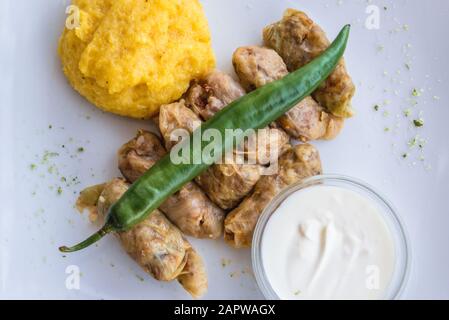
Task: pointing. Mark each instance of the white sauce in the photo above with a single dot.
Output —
(328, 243)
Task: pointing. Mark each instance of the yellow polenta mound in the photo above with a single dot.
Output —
(131, 56)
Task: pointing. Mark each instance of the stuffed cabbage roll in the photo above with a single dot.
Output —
(189, 209)
(264, 147)
(298, 40)
(176, 116)
(139, 155)
(227, 184)
(297, 163)
(157, 245)
(212, 94)
(194, 213)
(258, 66)
(193, 277)
(309, 121)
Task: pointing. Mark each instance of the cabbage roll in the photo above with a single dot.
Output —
(216, 91)
(298, 40)
(176, 116)
(157, 245)
(296, 164)
(258, 66)
(139, 155)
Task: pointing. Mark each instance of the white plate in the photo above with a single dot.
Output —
(34, 94)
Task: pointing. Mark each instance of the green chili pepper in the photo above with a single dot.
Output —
(253, 111)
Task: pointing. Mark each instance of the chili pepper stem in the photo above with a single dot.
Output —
(89, 241)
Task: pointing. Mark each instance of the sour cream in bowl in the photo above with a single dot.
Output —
(330, 237)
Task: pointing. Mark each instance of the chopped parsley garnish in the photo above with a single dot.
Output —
(416, 93)
(412, 143)
(48, 155)
(418, 123)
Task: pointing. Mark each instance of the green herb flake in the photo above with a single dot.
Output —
(33, 166)
(51, 169)
(387, 129)
(48, 155)
(413, 142)
(422, 143)
(416, 92)
(59, 190)
(225, 262)
(376, 107)
(418, 123)
(80, 149)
